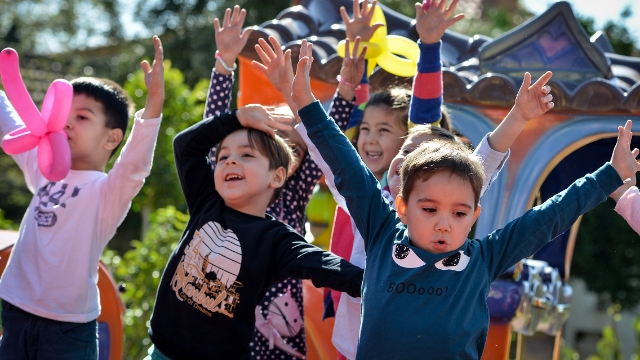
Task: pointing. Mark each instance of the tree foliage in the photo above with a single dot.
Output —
(140, 270)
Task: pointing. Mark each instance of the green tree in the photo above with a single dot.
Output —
(183, 107)
(140, 270)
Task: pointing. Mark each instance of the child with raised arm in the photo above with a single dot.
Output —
(231, 250)
(425, 286)
(296, 193)
(49, 289)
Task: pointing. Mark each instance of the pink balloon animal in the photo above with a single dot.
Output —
(44, 130)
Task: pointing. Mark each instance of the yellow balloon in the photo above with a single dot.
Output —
(373, 50)
(395, 54)
(404, 65)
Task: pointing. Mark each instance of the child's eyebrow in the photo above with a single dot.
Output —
(87, 109)
(427, 200)
(240, 146)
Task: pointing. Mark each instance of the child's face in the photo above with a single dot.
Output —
(379, 139)
(90, 141)
(439, 212)
(242, 176)
(410, 144)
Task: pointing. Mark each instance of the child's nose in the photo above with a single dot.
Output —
(443, 224)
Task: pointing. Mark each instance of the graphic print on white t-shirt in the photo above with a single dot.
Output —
(50, 197)
(206, 275)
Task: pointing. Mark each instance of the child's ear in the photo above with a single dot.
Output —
(279, 177)
(476, 213)
(114, 138)
(401, 208)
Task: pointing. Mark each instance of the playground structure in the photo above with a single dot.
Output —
(594, 91)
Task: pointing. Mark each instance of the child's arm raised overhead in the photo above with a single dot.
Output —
(431, 24)
(154, 81)
(532, 101)
(230, 40)
(352, 178)
(525, 235)
(192, 145)
(127, 176)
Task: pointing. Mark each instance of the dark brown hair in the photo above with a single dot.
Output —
(441, 155)
(116, 103)
(275, 149)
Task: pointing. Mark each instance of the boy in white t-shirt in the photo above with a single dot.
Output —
(49, 291)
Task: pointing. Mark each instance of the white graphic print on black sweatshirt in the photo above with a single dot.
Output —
(206, 275)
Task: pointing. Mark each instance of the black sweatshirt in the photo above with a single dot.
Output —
(225, 261)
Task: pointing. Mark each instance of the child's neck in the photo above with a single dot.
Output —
(259, 210)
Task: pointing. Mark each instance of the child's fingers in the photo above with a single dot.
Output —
(344, 15)
(356, 9)
(454, 19)
(235, 14)
(543, 80)
(263, 56)
(242, 17)
(526, 82)
(550, 105)
(451, 8)
(245, 33)
(347, 48)
(276, 46)
(363, 54)
(419, 11)
(547, 98)
(216, 25)
(227, 18)
(159, 56)
(287, 58)
(146, 68)
(259, 66)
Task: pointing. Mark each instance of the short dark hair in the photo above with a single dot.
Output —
(440, 155)
(276, 149)
(395, 100)
(116, 103)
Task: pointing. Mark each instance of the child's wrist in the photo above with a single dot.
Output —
(225, 62)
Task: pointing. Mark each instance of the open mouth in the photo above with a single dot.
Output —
(233, 177)
(373, 155)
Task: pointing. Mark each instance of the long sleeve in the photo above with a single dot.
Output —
(492, 162)
(426, 98)
(353, 180)
(191, 148)
(300, 259)
(525, 235)
(219, 95)
(340, 112)
(128, 174)
(629, 207)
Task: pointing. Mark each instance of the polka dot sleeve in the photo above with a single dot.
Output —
(218, 99)
(219, 95)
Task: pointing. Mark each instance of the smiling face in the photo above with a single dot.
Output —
(379, 138)
(90, 141)
(439, 212)
(242, 176)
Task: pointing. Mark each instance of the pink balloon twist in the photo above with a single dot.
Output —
(42, 129)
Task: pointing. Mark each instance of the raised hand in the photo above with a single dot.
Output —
(533, 100)
(623, 159)
(360, 25)
(352, 69)
(154, 81)
(230, 38)
(301, 89)
(263, 118)
(276, 65)
(433, 21)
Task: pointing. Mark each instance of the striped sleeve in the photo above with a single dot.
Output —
(426, 99)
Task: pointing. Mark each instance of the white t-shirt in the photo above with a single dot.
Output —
(53, 268)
